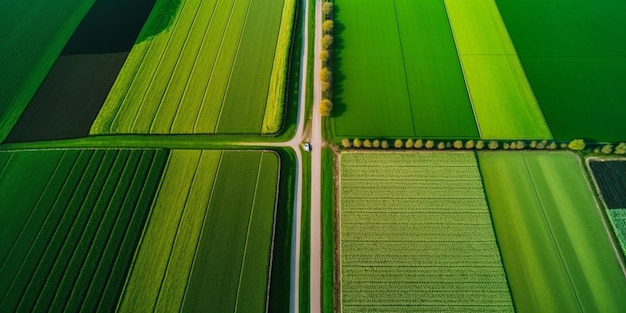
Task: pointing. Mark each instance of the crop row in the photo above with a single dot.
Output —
(422, 297)
(78, 242)
(413, 205)
(610, 177)
(450, 218)
(450, 274)
(433, 308)
(417, 183)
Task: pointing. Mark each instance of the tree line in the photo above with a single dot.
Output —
(326, 75)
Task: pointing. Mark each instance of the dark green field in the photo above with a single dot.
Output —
(72, 221)
(574, 55)
(398, 73)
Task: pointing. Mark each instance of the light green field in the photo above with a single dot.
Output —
(397, 73)
(416, 235)
(32, 36)
(208, 241)
(72, 220)
(503, 101)
(196, 76)
(556, 251)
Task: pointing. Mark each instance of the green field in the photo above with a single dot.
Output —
(556, 250)
(220, 68)
(502, 99)
(71, 223)
(32, 36)
(416, 235)
(388, 82)
(208, 242)
(574, 54)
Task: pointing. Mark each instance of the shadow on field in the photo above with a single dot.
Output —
(339, 106)
(69, 99)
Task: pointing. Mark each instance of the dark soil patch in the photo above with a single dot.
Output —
(69, 99)
(611, 179)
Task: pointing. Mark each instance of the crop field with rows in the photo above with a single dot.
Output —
(416, 235)
(219, 68)
(610, 179)
(71, 223)
(207, 245)
(556, 250)
(32, 35)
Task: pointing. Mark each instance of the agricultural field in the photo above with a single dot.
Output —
(32, 35)
(219, 68)
(71, 222)
(574, 54)
(207, 246)
(388, 82)
(555, 247)
(610, 179)
(503, 101)
(416, 235)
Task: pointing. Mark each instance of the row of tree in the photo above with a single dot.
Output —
(576, 145)
(326, 75)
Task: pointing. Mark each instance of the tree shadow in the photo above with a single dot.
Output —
(335, 62)
(113, 26)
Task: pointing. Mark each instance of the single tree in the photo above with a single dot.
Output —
(596, 151)
(448, 145)
(607, 149)
(563, 145)
(376, 143)
(552, 146)
(506, 146)
(324, 55)
(327, 40)
(357, 143)
(469, 144)
(418, 144)
(326, 75)
(493, 145)
(327, 26)
(384, 144)
(409, 144)
(326, 86)
(326, 106)
(533, 144)
(480, 145)
(520, 145)
(576, 145)
(367, 143)
(398, 143)
(327, 8)
(346, 143)
(542, 145)
(441, 145)
(429, 144)
(458, 144)
(620, 149)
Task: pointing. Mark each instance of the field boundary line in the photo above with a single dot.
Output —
(195, 62)
(459, 57)
(134, 76)
(558, 249)
(178, 58)
(117, 219)
(88, 221)
(269, 269)
(56, 260)
(232, 67)
(338, 240)
(131, 267)
(406, 75)
(6, 165)
(245, 247)
(217, 57)
(175, 239)
(106, 208)
(30, 250)
(206, 213)
(158, 66)
(609, 230)
(41, 195)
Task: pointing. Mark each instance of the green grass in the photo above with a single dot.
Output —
(416, 235)
(388, 82)
(195, 77)
(573, 55)
(503, 101)
(33, 50)
(57, 255)
(197, 251)
(556, 251)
